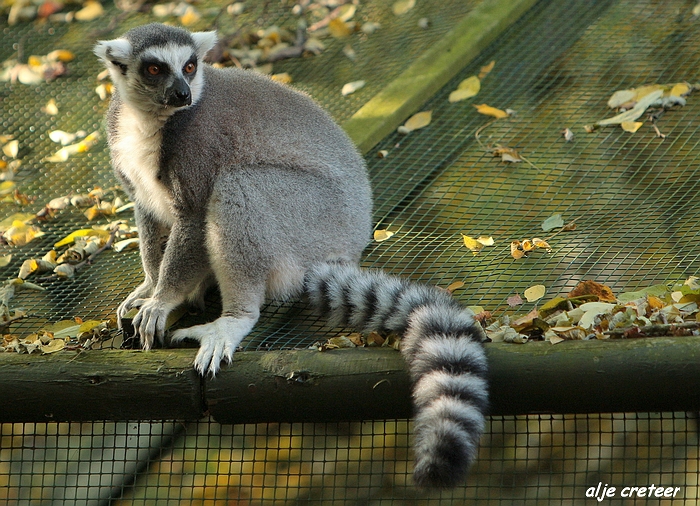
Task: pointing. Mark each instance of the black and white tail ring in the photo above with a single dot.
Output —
(441, 342)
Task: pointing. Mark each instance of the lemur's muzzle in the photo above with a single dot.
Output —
(178, 95)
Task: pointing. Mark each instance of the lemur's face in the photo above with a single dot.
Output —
(156, 69)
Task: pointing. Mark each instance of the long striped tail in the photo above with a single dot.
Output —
(441, 342)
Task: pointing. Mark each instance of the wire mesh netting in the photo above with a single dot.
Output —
(633, 196)
(550, 459)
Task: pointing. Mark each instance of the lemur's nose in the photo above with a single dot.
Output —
(179, 94)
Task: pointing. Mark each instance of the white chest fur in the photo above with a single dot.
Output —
(136, 154)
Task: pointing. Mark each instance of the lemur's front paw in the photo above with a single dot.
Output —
(149, 323)
(218, 340)
(143, 291)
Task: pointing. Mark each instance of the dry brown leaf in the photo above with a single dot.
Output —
(491, 111)
(516, 250)
(515, 300)
(590, 287)
(507, 154)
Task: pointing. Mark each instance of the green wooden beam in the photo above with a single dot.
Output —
(432, 70)
(634, 375)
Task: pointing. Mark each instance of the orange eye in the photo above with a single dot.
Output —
(154, 70)
(189, 68)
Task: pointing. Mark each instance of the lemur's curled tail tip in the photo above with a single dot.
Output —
(442, 345)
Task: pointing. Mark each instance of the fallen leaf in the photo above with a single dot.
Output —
(402, 7)
(540, 243)
(351, 87)
(476, 245)
(590, 287)
(535, 293)
(20, 233)
(455, 286)
(85, 232)
(554, 221)
(466, 89)
(382, 235)
(568, 135)
(486, 69)
(339, 29)
(515, 300)
(516, 250)
(491, 111)
(631, 126)
(417, 121)
(471, 243)
(693, 283)
(91, 10)
(50, 108)
(126, 244)
(5, 260)
(633, 113)
(11, 149)
(283, 78)
(53, 346)
(507, 154)
(190, 17)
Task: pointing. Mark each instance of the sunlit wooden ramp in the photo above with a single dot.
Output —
(591, 403)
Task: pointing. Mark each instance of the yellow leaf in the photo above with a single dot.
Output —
(631, 126)
(474, 245)
(10, 220)
(382, 235)
(455, 286)
(535, 292)
(418, 120)
(283, 78)
(190, 17)
(403, 6)
(60, 55)
(491, 111)
(679, 89)
(466, 89)
(516, 250)
(5, 260)
(486, 69)
(539, 243)
(20, 233)
(338, 28)
(6, 187)
(70, 238)
(92, 10)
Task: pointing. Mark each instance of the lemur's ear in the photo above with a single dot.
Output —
(204, 42)
(111, 51)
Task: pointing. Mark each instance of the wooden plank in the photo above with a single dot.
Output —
(652, 374)
(432, 70)
(100, 385)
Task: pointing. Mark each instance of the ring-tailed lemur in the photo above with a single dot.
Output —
(245, 182)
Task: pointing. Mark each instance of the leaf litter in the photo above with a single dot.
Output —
(591, 311)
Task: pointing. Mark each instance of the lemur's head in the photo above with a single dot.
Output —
(155, 68)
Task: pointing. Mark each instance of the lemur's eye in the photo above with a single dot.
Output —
(189, 68)
(154, 70)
